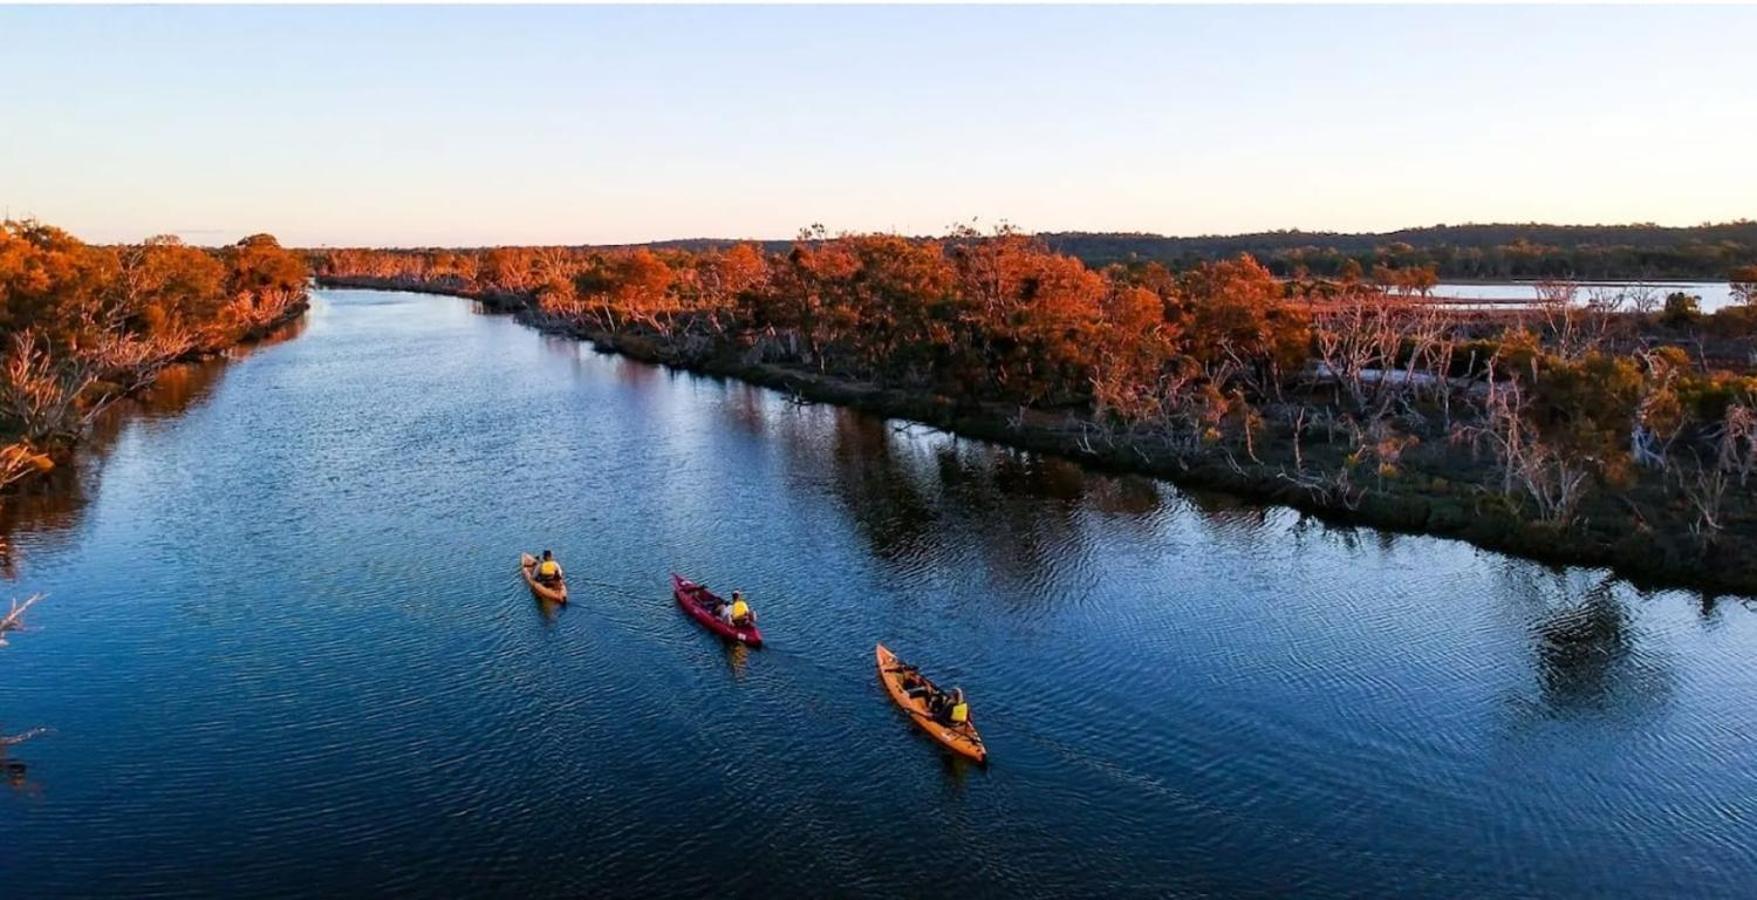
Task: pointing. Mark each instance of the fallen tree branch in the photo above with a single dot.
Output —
(14, 620)
(21, 737)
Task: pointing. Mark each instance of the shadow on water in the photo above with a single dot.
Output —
(16, 771)
(1225, 510)
(567, 349)
(640, 376)
(958, 771)
(48, 508)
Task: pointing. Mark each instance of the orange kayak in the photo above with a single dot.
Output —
(528, 566)
(960, 739)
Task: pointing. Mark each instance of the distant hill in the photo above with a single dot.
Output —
(1457, 251)
(1490, 251)
(1460, 252)
(696, 245)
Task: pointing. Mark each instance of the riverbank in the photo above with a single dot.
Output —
(1640, 534)
(34, 465)
(87, 325)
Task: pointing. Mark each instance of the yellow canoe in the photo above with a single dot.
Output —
(961, 739)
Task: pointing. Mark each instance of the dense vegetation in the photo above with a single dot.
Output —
(1492, 252)
(1576, 428)
(82, 325)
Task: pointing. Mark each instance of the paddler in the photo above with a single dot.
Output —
(912, 683)
(738, 613)
(548, 571)
(960, 709)
(949, 708)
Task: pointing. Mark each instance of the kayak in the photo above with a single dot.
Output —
(692, 596)
(528, 566)
(960, 739)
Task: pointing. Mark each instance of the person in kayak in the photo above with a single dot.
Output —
(913, 685)
(737, 613)
(548, 571)
(949, 709)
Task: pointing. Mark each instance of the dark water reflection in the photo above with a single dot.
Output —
(286, 652)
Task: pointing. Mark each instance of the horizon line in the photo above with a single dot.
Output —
(1211, 235)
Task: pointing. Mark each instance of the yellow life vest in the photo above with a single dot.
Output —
(961, 713)
(550, 568)
(740, 609)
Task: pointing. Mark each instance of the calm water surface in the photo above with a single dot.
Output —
(1712, 295)
(286, 651)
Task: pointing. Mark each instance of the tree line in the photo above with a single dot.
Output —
(82, 325)
(1494, 252)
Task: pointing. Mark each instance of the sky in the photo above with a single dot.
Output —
(413, 126)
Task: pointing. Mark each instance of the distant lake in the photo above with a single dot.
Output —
(1714, 294)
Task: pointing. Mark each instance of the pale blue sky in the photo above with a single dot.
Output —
(569, 125)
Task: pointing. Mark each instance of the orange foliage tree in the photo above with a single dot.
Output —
(78, 322)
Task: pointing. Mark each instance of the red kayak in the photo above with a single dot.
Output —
(699, 602)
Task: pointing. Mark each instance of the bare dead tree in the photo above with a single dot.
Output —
(132, 362)
(1250, 421)
(40, 394)
(551, 264)
(1568, 323)
(1299, 433)
(1334, 488)
(1641, 298)
(1659, 415)
(1553, 480)
(1736, 450)
(1705, 488)
(1347, 344)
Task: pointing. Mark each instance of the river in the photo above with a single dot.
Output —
(285, 652)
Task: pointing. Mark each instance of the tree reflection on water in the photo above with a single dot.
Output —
(1589, 657)
(916, 494)
(50, 507)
